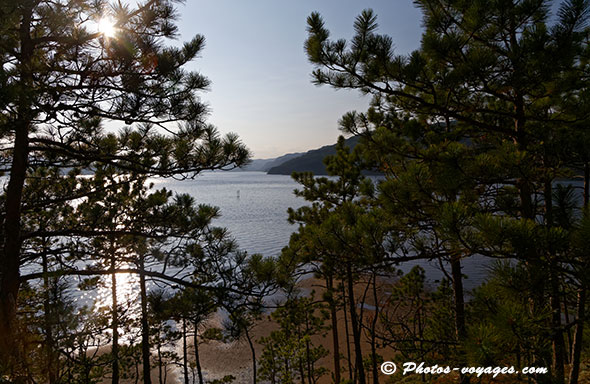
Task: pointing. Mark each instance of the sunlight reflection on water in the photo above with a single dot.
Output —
(127, 291)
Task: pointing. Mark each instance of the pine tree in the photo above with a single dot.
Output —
(342, 238)
(477, 109)
(289, 353)
(63, 76)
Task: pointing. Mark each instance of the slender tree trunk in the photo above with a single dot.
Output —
(581, 299)
(421, 335)
(160, 362)
(334, 318)
(301, 371)
(348, 352)
(374, 330)
(566, 314)
(253, 352)
(197, 359)
(459, 301)
(557, 341)
(115, 316)
(308, 353)
(47, 308)
(460, 327)
(578, 337)
(184, 352)
(145, 329)
(10, 350)
(355, 327)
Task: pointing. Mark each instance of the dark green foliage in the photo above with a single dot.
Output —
(289, 354)
(473, 130)
(502, 328)
(344, 241)
(76, 202)
(417, 322)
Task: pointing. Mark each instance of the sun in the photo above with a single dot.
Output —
(106, 26)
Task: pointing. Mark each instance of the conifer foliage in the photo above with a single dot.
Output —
(94, 99)
(473, 132)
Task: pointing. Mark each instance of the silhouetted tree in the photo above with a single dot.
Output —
(471, 126)
(61, 76)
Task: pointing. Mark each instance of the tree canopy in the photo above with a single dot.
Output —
(86, 116)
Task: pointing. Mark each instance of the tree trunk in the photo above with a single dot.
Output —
(334, 318)
(309, 367)
(301, 371)
(460, 328)
(253, 352)
(145, 330)
(374, 330)
(581, 300)
(184, 352)
(578, 337)
(160, 362)
(356, 335)
(49, 341)
(348, 353)
(566, 313)
(10, 350)
(115, 316)
(197, 359)
(557, 341)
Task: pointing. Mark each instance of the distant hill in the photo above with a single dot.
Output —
(310, 161)
(263, 165)
(256, 165)
(282, 160)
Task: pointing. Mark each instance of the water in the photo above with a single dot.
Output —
(254, 209)
(253, 206)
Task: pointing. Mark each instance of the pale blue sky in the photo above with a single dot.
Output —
(260, 75)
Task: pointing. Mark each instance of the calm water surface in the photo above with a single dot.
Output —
(254, 208)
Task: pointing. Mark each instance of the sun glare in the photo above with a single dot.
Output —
(127, 288)
(106, 26)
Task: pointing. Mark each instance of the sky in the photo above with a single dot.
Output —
(261, 79)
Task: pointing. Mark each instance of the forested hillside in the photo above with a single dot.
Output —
(310, 161)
